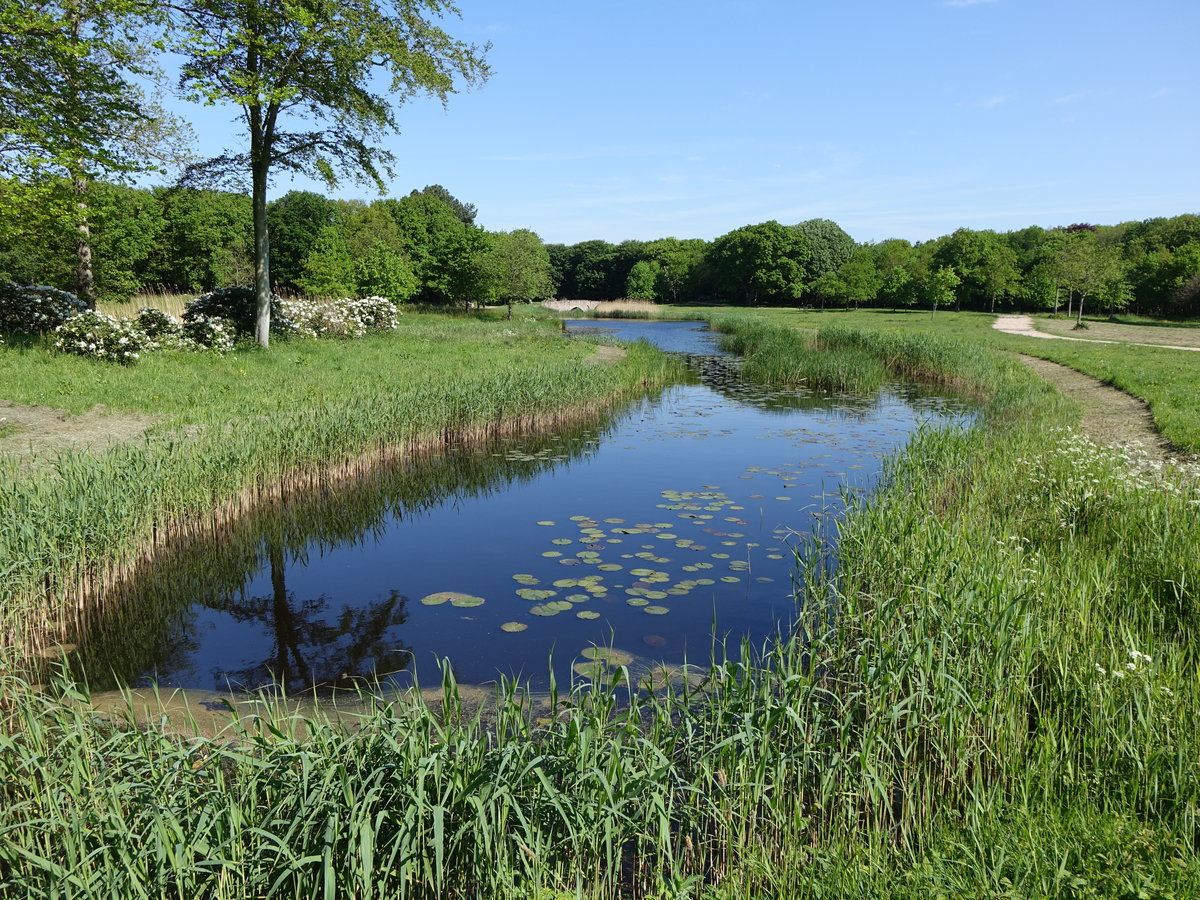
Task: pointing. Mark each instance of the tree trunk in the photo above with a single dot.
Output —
(262, 253)
(85, 280)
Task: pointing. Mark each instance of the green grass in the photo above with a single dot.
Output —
(1006, 706)
(1165, 379)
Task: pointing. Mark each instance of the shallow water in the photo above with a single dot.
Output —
(668, 528)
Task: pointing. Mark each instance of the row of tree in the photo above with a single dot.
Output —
(1150, 267)
(427, 248)
(424, 247)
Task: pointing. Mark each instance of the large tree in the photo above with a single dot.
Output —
(71, 109)
(760, 262)
(317, 83)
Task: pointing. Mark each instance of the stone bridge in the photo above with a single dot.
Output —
(566, 305)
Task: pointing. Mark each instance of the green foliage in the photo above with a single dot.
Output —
(384, 272)
(298, 222)
(517, 267)
(829, 247)
(760, 263)
(643, 279)
(328, 269)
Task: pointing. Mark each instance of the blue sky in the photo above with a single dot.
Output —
(895, 118)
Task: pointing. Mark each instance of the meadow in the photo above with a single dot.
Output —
(991, 692)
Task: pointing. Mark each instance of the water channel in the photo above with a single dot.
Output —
(667, 527)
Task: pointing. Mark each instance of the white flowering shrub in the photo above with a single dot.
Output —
(208, 333)
(161, 330)
(376, 313)
(236, 306)
(345, 318)
(36, 309)
(100, 336)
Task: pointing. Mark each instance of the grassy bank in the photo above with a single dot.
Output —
(1006, 707)
(1165, 379)
(236, 431)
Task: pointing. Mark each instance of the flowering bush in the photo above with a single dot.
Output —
(236, 305)
(208, 333)
(341, 318)
(161, 330)
(34, 309)
(100, 336)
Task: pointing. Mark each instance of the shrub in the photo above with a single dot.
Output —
(341, 318)
(202, 332)
(236, 305)
(99, 336)
(161, 330)
(37, 308)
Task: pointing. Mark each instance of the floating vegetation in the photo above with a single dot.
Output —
(513, 627)
(587, 614)
(453, 597)
(610, 655)
(656, 610)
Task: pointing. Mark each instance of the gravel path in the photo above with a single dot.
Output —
(1023, 326)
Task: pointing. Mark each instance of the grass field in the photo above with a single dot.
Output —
(1007, 707)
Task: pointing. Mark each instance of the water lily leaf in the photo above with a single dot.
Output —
(466, 601)
(560, 605)
(720, 556)
(544, 610)
(563, 541)
(610, 567)
(655, 595)
(610, 655)
(705, 581)
(577, 598)
(587, 614)
(551, 554)
(547, 522)
(592, 670)
(566, 582)
(513, 627)
(637, 601)
(436, 599)
(731, 579)
(656, 610)
(534, 594)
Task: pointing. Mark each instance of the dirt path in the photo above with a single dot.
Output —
(1023, 326)
(40, 433)
(1110, 416)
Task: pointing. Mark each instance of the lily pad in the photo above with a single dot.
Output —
(547, 522)
(551, 554)
(656, 610)
(544, 610)
(513, 627)
(533, 593)
(610, 655)
(731, 579)
(592, 670)
(587, 614)
(454, 597)
(610, 567)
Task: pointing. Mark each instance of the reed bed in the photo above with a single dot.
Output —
(992, 694)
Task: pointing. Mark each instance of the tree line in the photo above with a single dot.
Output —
(1150, 267)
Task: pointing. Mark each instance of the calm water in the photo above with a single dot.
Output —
(670, 524)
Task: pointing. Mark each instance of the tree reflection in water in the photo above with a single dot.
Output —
(310, 650)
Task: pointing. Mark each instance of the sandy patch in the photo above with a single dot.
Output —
(40, 433)
(1023, 326)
